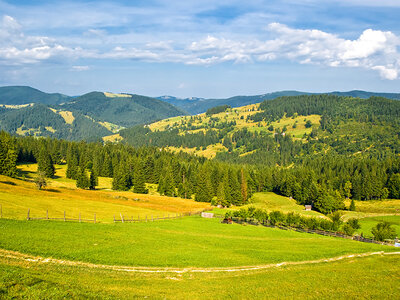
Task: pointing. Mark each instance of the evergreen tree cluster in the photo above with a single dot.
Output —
(131, 168)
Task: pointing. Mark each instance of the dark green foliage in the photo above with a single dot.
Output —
(122, 111)
(82, 180)
(203, 190)
(8, 155)
(15, 95)
(352, 205)
(139, 183)
(122, 179)
(93, 181)
(217, 109)
(383, 231)
(45, 163)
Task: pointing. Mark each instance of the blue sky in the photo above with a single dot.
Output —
(200, 48)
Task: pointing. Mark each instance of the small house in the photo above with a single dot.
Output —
(307, 207)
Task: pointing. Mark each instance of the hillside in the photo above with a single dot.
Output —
(41, 120)
(200, 105)
(17, 95)
(282, 130)
(27, 111)
(122, 109)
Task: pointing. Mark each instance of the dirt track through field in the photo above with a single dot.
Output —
(41, 260)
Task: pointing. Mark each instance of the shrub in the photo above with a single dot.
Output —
(383, 231)
(353, 222)
(348, 229)
(277, 217)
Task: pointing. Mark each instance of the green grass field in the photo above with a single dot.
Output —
(270, 201)
(375, 277)
(191, 241)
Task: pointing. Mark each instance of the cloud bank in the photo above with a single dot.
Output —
(374, 50)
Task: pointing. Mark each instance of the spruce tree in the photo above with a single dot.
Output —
(203, 190)
(93, 182)
(352, 205)
(121, 179)
(139, 185)
(45, 163)
(8, 155)
(82, 180)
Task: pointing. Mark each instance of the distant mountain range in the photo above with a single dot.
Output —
(200, 105)
(28, 111)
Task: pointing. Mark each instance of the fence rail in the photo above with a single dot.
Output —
(122, 218)
(311, 231)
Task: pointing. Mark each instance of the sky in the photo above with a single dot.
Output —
(210, 49)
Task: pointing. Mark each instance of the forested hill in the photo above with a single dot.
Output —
(17, 95)
(200, 105)
(282, 131)
(122, 109)
(87, 117)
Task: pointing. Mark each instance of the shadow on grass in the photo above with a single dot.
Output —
(52, 190)
(8, 182)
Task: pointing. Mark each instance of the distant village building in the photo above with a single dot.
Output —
(308, 207)
(207, 215)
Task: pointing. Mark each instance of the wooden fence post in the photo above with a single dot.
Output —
(79, 217)
(146, 218)
(122, 217)
(1, 211)
(114, 218)
(28, 214)
(47, 214)
(64, 215)
(152, 219)
(138, 218)
(94, 219)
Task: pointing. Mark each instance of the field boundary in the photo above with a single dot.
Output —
(305, 230)
(15, 255)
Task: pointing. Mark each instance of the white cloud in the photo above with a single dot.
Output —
(373, 50)
(80, 68)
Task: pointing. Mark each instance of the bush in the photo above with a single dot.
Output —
(383, 231)
(353, 222)
(348, 229)
(277, 217)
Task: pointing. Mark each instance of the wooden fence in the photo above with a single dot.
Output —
(122, 218)
(152, 218)
(312, 231)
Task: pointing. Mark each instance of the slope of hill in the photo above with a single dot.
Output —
(200, 105)
(17, 95)
(122, 109)
(27, 111)
(41, 120)
(283, 129)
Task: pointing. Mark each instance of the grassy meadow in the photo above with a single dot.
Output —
(17, 196)
(191, 243)
(374, 277)
(186, 242)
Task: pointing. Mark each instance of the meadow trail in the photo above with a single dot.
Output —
(14, 255)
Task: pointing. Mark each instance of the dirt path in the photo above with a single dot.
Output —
(37, 259)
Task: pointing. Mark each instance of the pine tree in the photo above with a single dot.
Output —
(45, 163)
(121, 180)
(243, 184)
(139, 185)
(82, 181)
(8, 155)
(352, 205)
(203, 190)
(93, 182)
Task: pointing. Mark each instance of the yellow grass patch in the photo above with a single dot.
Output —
(49, 128)
(113, 138)
(17, 196)
(110, 126)
(112, 95)
(67, 116)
